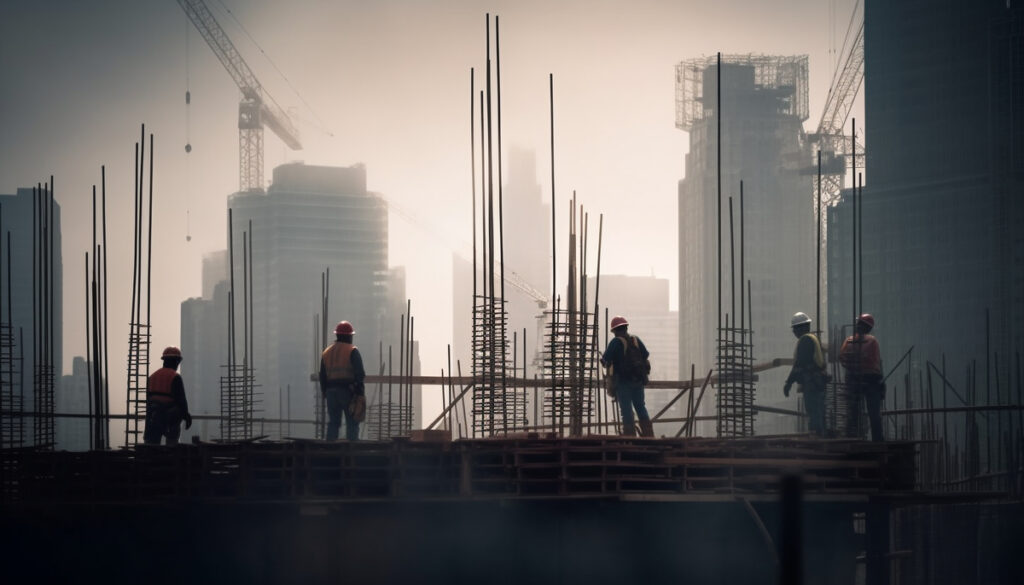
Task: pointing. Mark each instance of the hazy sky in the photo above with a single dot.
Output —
(387, 85)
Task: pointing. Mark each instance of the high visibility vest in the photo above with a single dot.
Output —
(337, 359)
(159, 387)
(819, 357)
(860, 354)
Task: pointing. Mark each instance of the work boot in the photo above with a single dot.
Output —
(646, 428)
(629, 430)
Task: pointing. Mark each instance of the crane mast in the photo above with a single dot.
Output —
(256, 108)
(830, 137)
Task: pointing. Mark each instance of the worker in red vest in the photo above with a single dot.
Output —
(166, 406)
(862, 358)
(341, 383)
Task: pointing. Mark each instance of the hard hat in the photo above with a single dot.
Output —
(344, 328)
(171, 352)
(618, 321)
(800, 319)
(868, 320)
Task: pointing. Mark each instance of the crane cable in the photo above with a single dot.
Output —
(188, 135)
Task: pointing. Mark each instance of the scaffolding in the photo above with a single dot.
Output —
(138, 379)
(12, 426)
(736, 388)
(784, 75)
(238, 401)
(570, 349)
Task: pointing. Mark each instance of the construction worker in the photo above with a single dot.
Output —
(862, 360)
(626, 358)
(341, 383)
(809, 373)
(166, 406)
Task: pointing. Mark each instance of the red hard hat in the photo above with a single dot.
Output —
(344, 328)
(868, 320)
(618, 321)
(171, 351)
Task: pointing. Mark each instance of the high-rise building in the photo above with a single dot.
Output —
(943, 202)
(643, 301)
(17, 213)
(763, 106)
(73, 398)
(312, 219)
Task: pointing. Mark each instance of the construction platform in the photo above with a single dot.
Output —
(310, 471)
(595, 510)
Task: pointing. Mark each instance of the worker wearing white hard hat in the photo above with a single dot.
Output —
(808, 373)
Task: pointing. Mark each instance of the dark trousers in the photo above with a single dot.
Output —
(162, 420)
(338, 399)
(870, 389)
(814, 402)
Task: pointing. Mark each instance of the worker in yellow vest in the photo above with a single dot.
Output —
(341, 383)
(809, 373)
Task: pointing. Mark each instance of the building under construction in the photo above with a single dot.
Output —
(524, 478)
(746, 214)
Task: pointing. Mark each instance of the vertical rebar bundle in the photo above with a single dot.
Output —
(138, 332)
(497, 409)
(43, 301)
(96, 324)
(572, 341)
(12, 428)
(238, 398)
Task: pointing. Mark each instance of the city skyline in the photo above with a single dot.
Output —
(406, 119)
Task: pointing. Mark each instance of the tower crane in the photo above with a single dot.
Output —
(829, 137)
(256, 108)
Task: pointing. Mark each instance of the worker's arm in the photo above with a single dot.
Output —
(178, 393)
(323, 376)
(358, 372)
(804, 360)
(612, 352)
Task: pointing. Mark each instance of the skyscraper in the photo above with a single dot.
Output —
(312, 219)
(18, 217)
(943, 202)
(763, 106)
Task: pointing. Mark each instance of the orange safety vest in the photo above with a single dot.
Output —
(159, 387)
(337, 360)
(860, 354)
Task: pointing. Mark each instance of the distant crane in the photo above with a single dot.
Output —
(256, 109)
(830, 137)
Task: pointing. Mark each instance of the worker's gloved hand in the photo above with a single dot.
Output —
(188, 421)
(785, 389)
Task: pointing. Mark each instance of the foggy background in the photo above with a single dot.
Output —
(381, 83)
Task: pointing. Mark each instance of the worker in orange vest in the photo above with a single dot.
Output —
(341, 383)
(862, 359)
(166, 405)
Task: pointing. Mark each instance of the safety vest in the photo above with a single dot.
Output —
(819, 357)
(337, 361)
(159, 387)
(860, 354)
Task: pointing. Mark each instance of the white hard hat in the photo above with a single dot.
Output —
(800, 319)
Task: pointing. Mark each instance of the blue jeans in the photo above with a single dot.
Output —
(337, 403)
(814, 401)
(630, 395)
